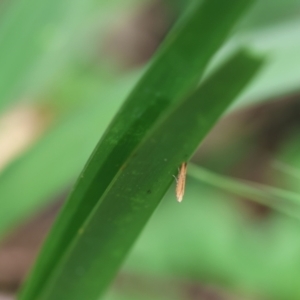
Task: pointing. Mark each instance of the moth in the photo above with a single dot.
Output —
(180, 181)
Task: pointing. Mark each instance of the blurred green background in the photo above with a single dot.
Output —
(65, 69)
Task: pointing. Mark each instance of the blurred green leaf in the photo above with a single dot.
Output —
(268, 13)
(280, 76)
(282, 200)
(39, 39)
(39, 175)
(33, 35)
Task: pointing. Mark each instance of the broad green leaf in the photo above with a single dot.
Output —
(105, 237)
(173, 73)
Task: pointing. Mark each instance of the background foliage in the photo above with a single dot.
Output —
(236, 233)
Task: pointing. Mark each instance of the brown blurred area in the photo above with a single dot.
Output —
(132, 41)
(19, 249)
(20, 127)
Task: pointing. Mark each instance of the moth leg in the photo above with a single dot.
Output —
(176, 179)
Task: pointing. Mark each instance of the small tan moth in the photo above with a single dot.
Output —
(180, 186)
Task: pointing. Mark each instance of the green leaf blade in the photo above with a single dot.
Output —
(148, 102)
(95, 255)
